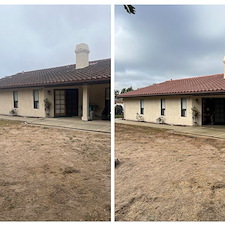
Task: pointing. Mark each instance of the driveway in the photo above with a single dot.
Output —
(64, 122)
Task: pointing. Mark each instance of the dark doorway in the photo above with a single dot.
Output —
(71, 102)
(107, 109)
(213, 111)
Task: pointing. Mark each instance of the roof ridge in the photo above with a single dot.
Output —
(98, 70)
(189, 78)
(56, 67)
(200, 84)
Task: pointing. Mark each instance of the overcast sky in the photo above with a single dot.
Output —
(159, 43)
(38, 37)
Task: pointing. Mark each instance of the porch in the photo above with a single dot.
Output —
(86, 102)
(65, 122)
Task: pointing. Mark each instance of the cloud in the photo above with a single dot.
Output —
(168, 42)
(42, 36)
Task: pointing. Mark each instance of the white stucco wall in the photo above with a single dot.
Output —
(152, 109)
(131, 108)
(25, 102)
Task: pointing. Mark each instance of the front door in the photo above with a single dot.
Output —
(66, 102)
(60, 103)
(72, 102)
(219, 112)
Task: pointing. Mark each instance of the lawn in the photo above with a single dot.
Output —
(51, 174)
(164, 176)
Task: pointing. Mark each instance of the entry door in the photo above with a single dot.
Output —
(60, 103)
(213, 111)
(72, 102)
(219, 111)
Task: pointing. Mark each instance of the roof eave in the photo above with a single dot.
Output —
(221, 92)
(60, 84)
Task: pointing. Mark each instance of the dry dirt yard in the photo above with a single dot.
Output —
(51, 174)
(164, 176)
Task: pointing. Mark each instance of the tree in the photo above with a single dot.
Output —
(116, 92)
(130, 89)
(124, 90)
(130, 9)
(118, 110)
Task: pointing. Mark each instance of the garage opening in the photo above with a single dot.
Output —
(213, 111)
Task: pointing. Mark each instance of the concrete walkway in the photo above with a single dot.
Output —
(208, 131)
(65, 122)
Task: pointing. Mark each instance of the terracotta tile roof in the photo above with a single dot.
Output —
(206, 84)
(97, 71)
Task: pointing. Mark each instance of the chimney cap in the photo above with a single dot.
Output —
(82, 52)
(82, 47)
(224, 59)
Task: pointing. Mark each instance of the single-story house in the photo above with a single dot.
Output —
(190, 101)
(80, 90)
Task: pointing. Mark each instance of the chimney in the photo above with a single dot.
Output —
(82, 60)
(224, 67)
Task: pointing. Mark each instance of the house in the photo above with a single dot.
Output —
(81, 90)
(190, 101)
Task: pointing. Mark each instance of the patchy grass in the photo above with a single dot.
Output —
(119, 116)
(4, 123)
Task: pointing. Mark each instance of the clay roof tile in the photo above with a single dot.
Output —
(204, 84)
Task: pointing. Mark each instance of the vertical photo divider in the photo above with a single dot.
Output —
(112, 114)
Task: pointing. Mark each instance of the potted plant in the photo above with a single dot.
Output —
(195, 114)
(47, 107)
(160, 120)
(195, 111)
(13, 112)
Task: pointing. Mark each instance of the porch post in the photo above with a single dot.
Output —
(85, 107)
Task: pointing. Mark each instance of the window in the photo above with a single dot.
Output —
(163, 107)
(141, 106)
(15, 99)
(183, 107)
(36, 99)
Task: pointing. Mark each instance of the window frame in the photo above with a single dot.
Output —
(15, 99)
(36, 101)
(183, 107)
(141, 106)
(163, 106)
